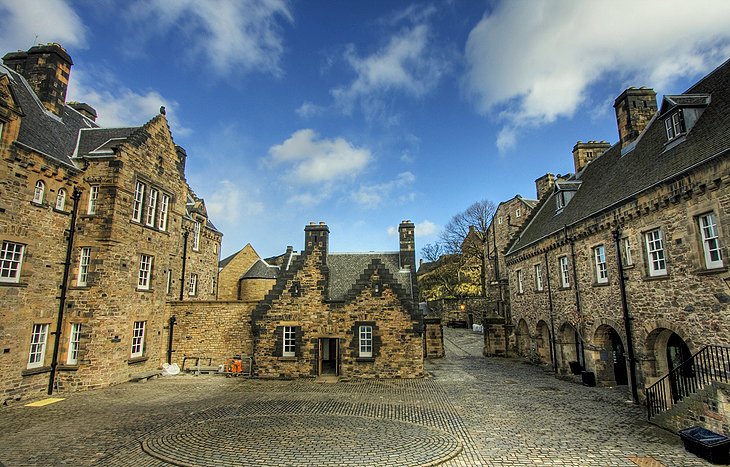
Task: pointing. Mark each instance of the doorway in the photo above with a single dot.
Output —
(619, 359)
(678, 353)
(329, 356)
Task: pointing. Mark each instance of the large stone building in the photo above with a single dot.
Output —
(99, 229)
(622, 268)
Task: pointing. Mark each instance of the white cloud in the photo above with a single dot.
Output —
(372, 196)
(50, 21)
(124, 106)
(392, 231)
(314, 160)
(227, 34)
(530, 63)
(308, 109)
(229, 203)
(426, 228)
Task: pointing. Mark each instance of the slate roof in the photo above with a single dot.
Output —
(42, 130)
(345, 269)
(261, 270)
(612, 179)
(99, 139)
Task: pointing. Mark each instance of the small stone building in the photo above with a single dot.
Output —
(341, 314)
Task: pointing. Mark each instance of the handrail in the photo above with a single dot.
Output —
(711, 363)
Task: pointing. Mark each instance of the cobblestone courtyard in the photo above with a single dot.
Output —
(472, 411)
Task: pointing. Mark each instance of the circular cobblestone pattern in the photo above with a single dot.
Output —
(297, 440)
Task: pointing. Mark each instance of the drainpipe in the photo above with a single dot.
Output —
(627, 318)
(581, 358)
(170, 328)
(184, 260)
(76, 196)
(552, 320)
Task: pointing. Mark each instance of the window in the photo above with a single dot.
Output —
(164, 208)
(84, 267)
(11, 259)
(518, 213)
(168, 283)
(40, 189)
(289, 341)
(93, 196)
(38, 338)
(196, 236)
(499, 221)
(145, 271)
(599, 254)
(193, 284)
(366, 341)
(564, 281)
(138, 197)
(628, 259)
(212, 286)
(61, 199)
(655, 253)
(520, 286)
(710, 241)
(674, 124)
(538, 277)
(138, 339)
(151, 208)
(73, 344)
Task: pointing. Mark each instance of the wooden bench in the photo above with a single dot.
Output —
(143, 377)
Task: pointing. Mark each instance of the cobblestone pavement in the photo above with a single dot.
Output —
(472, 411)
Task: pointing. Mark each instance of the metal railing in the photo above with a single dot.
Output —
(712, 363)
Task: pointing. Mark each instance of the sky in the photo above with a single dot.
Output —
(363, 113)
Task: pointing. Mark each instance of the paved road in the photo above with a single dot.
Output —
(472, 411)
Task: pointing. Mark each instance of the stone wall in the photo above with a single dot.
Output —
(708, 408)
(433, 338)
(254, 290)
(230, 274)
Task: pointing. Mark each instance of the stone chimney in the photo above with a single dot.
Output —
(544, 185)
(407, 250)
(47, 68)
(317, 235)
(182, 157)
(583, 153)
(84, 109)
(634, 108)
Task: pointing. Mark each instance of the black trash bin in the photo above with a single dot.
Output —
(706, 444)
(575, 368)
(589, 378)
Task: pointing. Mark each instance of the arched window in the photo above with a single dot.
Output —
(40, 189)
(61, 199)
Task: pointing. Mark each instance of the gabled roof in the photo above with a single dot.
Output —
(346, 268)
(612, 179)
(42, 130)
(261, 270)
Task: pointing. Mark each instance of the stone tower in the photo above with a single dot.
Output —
(317, 234)
(634, 108)
(583, 153)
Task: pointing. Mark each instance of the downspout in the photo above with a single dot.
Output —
(184, 260)
(76, 196)
(627, 318)
(552, 320)
(170, 328)
(581, 357)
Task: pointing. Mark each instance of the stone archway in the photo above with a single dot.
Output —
(610, 364)
(570, 351)
(542, 342)
(666, 351)
(523, 339)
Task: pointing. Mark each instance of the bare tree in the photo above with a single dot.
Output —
(468, 234)
(439, 278)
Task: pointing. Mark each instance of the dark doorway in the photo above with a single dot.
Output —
(677, 353)
(329, 356)
(619, 359)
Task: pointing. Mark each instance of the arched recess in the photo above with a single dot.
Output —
(571, 357)
(666, 350)
(523, 340)
(542, 342)
(609, 361)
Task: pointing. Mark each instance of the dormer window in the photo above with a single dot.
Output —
(674, 125)
(680, 113)
(564, 193)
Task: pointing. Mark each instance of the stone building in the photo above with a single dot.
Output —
(621, 270)
(342, 314)
(99, 229)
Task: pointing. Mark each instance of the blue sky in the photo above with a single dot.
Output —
(364, 113)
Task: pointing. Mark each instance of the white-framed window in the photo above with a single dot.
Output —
(151, 208)
(168, 282)
(366, 341)
(538, 277)
(518, 213)
(138, 339)
(520, 285)
(289, 341)
(564, 277)
(599, 256)
(657, 265)
(61, 199)
(145, 272)
(138, 199)
(193, 284)
(11, 260)
(84, 259)
(73, 344)
(710, 241)
(93, 197)
(196, 236)
(40, 190)
(164, 208)
(38, 338)
(674, 125)
(628, 259)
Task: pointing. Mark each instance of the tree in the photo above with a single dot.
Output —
(468, 234)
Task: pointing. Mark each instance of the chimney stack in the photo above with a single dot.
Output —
(47, 69)
(407, 250)
(317, 235)
(544, 185)
(634, 108)
(84, 109)
(583, 153)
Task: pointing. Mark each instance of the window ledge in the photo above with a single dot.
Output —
(365, 359)
(134, 360)
(287, 359)
(629, 266)
(145, 290)
(36, 371)
(656, 278)
(564, 288)
(709, 272)
(13, 284)
(68, 367)
(37, 204)
(61, 211)
(601, 284)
